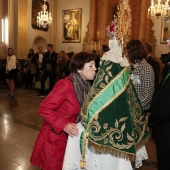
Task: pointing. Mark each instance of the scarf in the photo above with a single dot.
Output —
(81, 87)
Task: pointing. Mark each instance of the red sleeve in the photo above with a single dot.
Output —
(48, 107)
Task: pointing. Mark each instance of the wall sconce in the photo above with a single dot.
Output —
(4, 31)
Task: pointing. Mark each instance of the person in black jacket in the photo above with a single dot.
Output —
(155, 64)
(104, 49)
(159, 121)
(49, 65)
(37, 59)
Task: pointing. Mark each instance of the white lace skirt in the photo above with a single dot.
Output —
(93, 161)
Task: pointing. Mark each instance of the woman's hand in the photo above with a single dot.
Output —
(147, 116)
(71, 129)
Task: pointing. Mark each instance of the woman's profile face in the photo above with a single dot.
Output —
(88, 72)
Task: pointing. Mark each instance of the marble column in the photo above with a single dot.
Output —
(136, 18)
(93, 21)
(11, 24)
(53, 27)
(2, 16)
(103, 17)
(22, 27)
(145, 22)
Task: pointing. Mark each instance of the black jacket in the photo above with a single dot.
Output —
(156, 68)
(52, 59)
(159, 120)
(35, 59)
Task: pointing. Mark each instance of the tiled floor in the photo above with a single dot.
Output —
(19, 126)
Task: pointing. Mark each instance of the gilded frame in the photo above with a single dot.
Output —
(165, 31)
(71, 25)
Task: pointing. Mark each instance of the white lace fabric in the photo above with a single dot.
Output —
(93, 161)
(141, 154)
(115, 54)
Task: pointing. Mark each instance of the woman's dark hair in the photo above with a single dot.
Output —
(70, 54)
(136, 51)
(31, 50)
(10, 48)
(29, 55)
(78, 61)
(50, 45)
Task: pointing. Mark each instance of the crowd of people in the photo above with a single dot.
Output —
(133, 73)
(98, 108)
(40, 70)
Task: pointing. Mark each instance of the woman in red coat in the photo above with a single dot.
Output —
(61, 109)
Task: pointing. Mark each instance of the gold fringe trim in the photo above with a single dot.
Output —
(100, 149)
(83, 161)
(82, 164)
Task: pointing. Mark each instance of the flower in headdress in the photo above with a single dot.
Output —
(111, 30)
(112, 27)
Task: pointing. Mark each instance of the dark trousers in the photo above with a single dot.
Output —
(45, 75)
(163, 156)
(28, 79)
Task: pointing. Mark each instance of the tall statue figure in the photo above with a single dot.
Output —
(113, 126)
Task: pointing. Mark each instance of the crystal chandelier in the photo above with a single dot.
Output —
(158, 12)
(44, 17)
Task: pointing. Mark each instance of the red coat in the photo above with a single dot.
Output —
(59, 108)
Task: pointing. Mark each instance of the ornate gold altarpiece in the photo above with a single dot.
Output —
(101, 15)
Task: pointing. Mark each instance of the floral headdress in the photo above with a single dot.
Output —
(112, 29)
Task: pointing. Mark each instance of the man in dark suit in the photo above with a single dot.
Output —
(49, 65)
(37, 59)
(159, 121)
(155, 64)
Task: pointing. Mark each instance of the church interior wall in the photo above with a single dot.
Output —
(159, 48)
(37, 37)
(66, 5)
(23, 36)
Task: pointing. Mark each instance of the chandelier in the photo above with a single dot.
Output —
(158, 12)
(44, 18)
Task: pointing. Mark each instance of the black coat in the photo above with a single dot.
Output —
(35, 59)
(52, 59)
(156, 68)
(159, 120)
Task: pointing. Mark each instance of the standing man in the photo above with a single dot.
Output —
(49, 65)
(159, 121)
(153, 63)
(37, 59)
(104, 49)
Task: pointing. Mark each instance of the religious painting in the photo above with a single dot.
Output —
(37, 6)
(71, 21)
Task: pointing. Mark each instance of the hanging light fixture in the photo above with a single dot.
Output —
(44, 18)
(158, 12)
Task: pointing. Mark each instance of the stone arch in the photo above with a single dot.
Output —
(39, 41)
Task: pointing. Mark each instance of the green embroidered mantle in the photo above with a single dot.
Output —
(112, 115)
